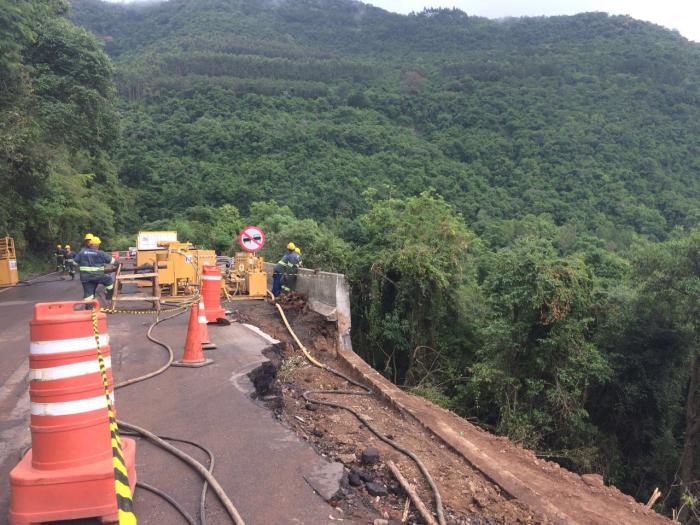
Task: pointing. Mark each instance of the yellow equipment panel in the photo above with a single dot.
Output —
(179, 266)
(246, 278)
(8, 262)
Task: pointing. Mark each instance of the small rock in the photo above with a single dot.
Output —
(482, 500)
(375, 489)
(364, 476)
(311, 406)
(396, 489)
(326, 478)
(354, 479)
(593, 480)
(380, 521)
(318, 433)
(370, 456)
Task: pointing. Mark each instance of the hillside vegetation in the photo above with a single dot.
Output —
(515, 202)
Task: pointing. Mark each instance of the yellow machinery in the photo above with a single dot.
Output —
(179, 266)
(245, 278)
(8, 262)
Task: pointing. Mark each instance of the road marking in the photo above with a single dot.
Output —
(16, 437)
(17, 377)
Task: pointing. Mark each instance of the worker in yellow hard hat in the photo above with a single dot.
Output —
(59, 258)
(69, 256)
(285, 269)
(91, 262)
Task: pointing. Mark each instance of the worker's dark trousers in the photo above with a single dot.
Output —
(91, 281)
(276, 283)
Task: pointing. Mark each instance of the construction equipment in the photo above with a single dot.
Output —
(245, 278)
(178, 264)
(8, 262)
(140, 280)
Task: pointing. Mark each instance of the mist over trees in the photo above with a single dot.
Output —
(515, 203)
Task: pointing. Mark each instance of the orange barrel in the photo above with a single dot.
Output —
(211, 293)
(69, 423)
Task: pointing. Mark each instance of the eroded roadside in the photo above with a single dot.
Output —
(369, 491)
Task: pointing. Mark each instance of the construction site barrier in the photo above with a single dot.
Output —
(211, 293)
(69, 472)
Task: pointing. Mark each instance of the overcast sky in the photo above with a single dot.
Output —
(682, 15)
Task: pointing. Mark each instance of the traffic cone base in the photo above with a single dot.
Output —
(70, 493)
(196, 364)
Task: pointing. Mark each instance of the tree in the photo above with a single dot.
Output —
(670, 288)
(535, 371)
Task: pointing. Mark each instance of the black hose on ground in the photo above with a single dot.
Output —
(169, 499)
(196, 465)
(367, 391)
(132, 429)
(208, 452)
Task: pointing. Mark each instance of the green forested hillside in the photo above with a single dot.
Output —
(58, 125)
(515, 202)
(590, 119)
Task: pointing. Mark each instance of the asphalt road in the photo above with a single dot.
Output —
(260, 463)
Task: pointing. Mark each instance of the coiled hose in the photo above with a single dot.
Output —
(367, 391)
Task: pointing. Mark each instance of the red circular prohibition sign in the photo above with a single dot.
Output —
(251, 239)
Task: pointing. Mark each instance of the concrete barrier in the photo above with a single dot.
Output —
(328, 294)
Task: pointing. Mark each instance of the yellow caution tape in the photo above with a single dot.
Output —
(122, 489)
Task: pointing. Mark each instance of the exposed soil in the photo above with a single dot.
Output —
(468, 497)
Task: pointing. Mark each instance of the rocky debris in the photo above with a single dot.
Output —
(293, 300)
(593, 480)
(354, 479)
(321, 344)
(364, 476)
(263, 378)
(347, 459)
(370, 456)
(375, 489)
(326, 479)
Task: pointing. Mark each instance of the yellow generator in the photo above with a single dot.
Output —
(178, 264)
(245, 278)
(8, 262)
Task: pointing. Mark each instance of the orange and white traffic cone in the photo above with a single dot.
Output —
(193, 356)
(203, 329)
(211, 293)
(70, 471)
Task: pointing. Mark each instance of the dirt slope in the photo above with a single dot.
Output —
(501, 483)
